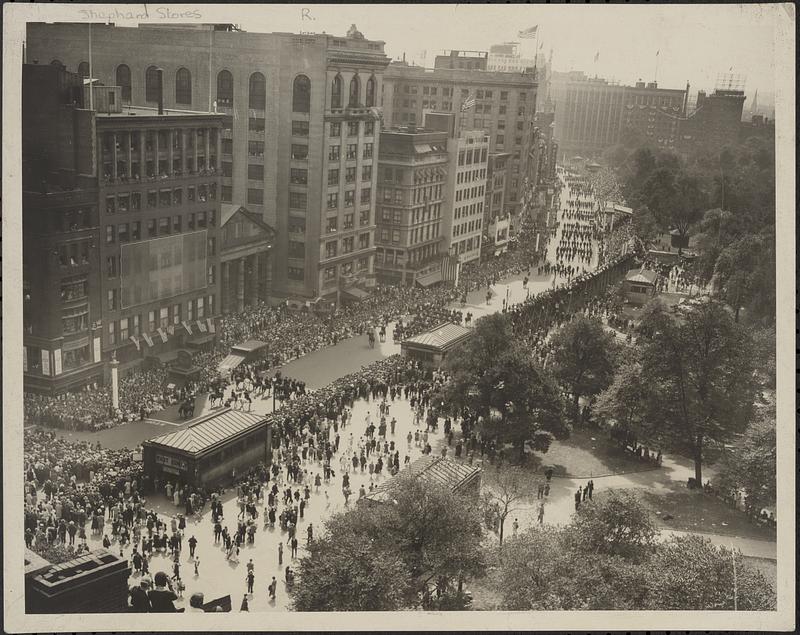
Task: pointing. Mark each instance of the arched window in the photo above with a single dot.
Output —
(57, 63)
(123, 77)
(258, 91)
(151, 84)
(370, 101)
(225, 88)
(336, 92)
(183, 86)
(301, 94)
(83, 69)
(355, 92)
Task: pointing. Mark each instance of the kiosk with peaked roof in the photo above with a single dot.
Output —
(432, 347)
(208, 450)
(459, 478)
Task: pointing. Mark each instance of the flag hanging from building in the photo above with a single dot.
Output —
(147, 339)
(449, 268)
(469, 102)
(162, 334)
(529, 33)
(202, 326)
(135, 341)
(212, 328)
(187, 327)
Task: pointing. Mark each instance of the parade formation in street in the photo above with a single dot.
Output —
(549, 388)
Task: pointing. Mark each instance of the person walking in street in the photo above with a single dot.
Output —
(310, 533)
(251, 578)
(294, 546)
(540, 513)
(280, 553)
(245, 606)
(272, 588)
(192, 545)
(577, 498)
(585, 493)
(590, 487)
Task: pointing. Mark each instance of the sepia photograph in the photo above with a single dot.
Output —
(393, 316)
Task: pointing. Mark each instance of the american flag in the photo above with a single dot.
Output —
(146, 337)
(449, 268)
(469, 102)
(529, 33)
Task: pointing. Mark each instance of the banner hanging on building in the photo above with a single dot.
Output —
(135, 341)
(187, 327)
(147, 339)
(201, 326)
(212, 328)
(162, 334)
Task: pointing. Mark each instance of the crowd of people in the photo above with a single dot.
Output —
(142, 392)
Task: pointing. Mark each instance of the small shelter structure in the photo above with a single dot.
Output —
(640, 286)
(432, 347)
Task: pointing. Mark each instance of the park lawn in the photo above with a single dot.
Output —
(588, 453)
(698, 512)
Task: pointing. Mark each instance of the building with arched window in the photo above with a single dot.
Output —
(224, 88)
(122, 77)
(258, 91)
(151, 86)
(295, 149)
(301, 94)
(183, 87)
(83, 69)
(354, 94)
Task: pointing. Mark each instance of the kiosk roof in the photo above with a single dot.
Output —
(209, 431)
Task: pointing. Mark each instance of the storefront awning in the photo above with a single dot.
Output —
(430, 278)
(230, 362)
(358, 294)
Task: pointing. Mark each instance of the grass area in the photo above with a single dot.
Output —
(588, 454)
(695, 511)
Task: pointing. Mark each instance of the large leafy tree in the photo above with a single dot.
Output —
(751, 463)
(698, 368)
(744, 275)
(606, 559)
(690, 573)
(583, 359)
(516, 400)
(622, 403)
(616, 524)
(386, 556)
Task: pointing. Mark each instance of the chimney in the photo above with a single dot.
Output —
(160, 73)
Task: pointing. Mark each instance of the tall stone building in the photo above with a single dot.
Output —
(592, 114)
(301, 124)
(413, 171)
(120, 223)
(505, 104)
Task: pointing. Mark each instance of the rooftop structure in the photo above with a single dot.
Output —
(459, 478)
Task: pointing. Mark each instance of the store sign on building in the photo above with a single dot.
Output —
(172, 462)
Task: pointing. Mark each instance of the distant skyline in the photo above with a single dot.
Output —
(694, 42)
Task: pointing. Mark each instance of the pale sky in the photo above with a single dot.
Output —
(696, 42)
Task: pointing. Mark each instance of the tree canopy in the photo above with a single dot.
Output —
(606, 559)
(698, 371)
(583, 358)
(386, 556)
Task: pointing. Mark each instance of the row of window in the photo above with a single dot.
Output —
(349, 198)
(352, 129)
(348, 245)
(468, 157)
(467, 176)
(469, 192)
(335, 152)
(72, 220)
(158, 138)
(132, 201)
(468, 210)
(467, 228)
(155, 227)
(345, 269)
(332, 223)
(198, 309)
(350, 174)
(421, 214)
(354, 92)
(467, 245)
